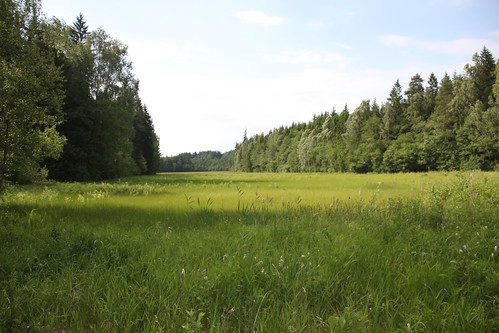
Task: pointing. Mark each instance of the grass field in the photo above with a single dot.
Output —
(253, 252)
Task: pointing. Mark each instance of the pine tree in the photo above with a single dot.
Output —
(430, 95)
(415, 112)
(483, 74)
(145, 143)
(478, 139)
(79, 30)
(393, 113)
(415, 87)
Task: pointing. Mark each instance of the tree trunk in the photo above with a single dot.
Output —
(5, 146)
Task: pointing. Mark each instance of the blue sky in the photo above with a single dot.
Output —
(209, 70)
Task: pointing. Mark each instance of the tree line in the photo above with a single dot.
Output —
(448, 125)
(202, 161)
(69, 101)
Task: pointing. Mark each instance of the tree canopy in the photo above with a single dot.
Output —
(70, 104)
(448, 125)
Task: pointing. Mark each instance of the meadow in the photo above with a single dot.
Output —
(253, 252)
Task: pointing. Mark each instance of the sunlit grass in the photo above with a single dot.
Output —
(253, 252)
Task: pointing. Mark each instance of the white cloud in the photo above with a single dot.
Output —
(201, 113)
(307, 58)
(460, 46)
(255, 17)
(396, 40)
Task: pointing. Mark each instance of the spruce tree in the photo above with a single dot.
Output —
(482, 72)
(393, 113)
(79, 30)
(430, 95)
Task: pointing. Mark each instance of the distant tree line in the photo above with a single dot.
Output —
(448, 125)
(202, 161)
(69, 102)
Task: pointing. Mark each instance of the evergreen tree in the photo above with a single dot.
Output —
(478, 139)
(482, 73)
(415, 87)
(435, 151)
(430, 95)
(415, 111)
(102, 107)
(442, 127)
(145, 143)
(393, 113)
(79, 30)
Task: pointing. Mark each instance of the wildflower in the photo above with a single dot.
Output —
(281, 261)
(182, 272)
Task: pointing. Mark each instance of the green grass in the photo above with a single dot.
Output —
(253, 252)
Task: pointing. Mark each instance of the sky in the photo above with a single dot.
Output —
(211, 70)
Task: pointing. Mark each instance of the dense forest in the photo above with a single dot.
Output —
(202, 161)
(70, 105)
(448, 125)
(70, 110)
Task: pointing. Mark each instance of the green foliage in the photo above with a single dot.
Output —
(450, 126)
(79, 30)
(31, 93)
(229, 252)
(69, 102)
(110, 133)
(202, 161)
(145, 143)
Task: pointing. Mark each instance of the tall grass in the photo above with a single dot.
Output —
(253, 252)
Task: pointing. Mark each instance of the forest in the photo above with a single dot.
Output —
(451, 124)
(71, 111)
(383, 218)
(70, 106)
(202, 161)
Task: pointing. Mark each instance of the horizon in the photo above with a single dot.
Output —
(229, 67)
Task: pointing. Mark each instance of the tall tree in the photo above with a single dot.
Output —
(145, 143)
(79, 30)
(102, 108)
(30, 90)
(415, 111)
(393, 113)
(430, 95)
(478, 139)
(482, 72)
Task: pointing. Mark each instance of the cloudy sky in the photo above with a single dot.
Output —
(209, 70)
